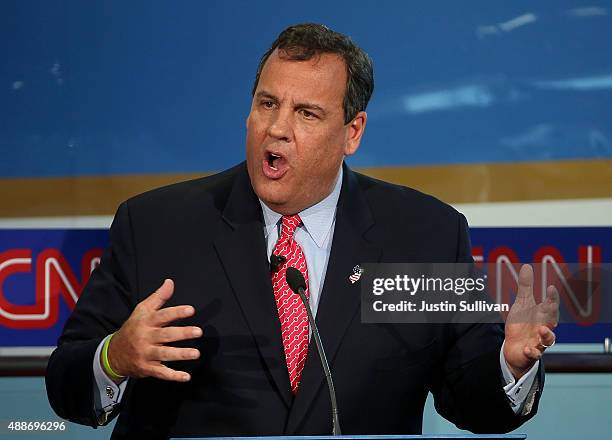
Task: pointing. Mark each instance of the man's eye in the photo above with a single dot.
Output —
(268, 105)
(308, 115)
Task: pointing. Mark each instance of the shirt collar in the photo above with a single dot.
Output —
(317, 219)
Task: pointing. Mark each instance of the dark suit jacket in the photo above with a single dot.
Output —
(207, 235)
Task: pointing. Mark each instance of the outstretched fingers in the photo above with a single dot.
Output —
(547, 337)
(160, 371)
(164, 353)
(525, 285)
(158, 298)
(169, 314)
(172, 334)
(551, 307)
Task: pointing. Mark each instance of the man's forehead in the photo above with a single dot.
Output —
(324, 72)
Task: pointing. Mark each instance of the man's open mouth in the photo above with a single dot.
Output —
(272, 158)
(274, 165)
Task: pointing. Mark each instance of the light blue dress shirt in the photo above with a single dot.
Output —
(315, 237)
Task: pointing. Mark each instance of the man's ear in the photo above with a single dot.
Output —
(354, 133)
(248, 118)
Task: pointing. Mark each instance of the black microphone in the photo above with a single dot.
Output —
(297, 283)
(276, 262)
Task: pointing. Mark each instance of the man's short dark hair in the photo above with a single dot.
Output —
(303, 41)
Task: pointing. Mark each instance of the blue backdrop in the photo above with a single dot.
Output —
(135, 87)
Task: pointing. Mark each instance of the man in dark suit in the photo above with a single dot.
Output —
(222, 347)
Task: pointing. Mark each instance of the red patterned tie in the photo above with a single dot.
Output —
(291, 310)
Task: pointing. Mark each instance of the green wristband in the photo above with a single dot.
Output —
(106, 364)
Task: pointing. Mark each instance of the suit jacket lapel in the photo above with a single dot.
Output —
(241, 248)
(340, 299)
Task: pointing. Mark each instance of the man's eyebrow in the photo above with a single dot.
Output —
(264, 94)
(301, 105)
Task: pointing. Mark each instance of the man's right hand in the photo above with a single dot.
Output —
(137, 349)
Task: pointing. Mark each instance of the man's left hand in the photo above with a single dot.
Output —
(529, 326)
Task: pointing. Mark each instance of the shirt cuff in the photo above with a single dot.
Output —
(107, 394)
(517, 391)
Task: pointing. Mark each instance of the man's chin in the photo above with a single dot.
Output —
(272, 194)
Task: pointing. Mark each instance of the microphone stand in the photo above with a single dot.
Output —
(330, 382)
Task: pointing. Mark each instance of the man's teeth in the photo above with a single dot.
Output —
(273, 157)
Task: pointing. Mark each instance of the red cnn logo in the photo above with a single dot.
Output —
(579, 288)
(54, 279)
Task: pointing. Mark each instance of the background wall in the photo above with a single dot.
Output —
(509, 101)
(502, 109)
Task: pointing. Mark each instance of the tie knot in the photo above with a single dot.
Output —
(289, 225)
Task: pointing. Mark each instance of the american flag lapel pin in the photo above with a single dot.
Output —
(354, 277)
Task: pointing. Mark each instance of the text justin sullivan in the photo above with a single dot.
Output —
(443, 306)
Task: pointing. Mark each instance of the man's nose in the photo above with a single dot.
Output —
(281, 128)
